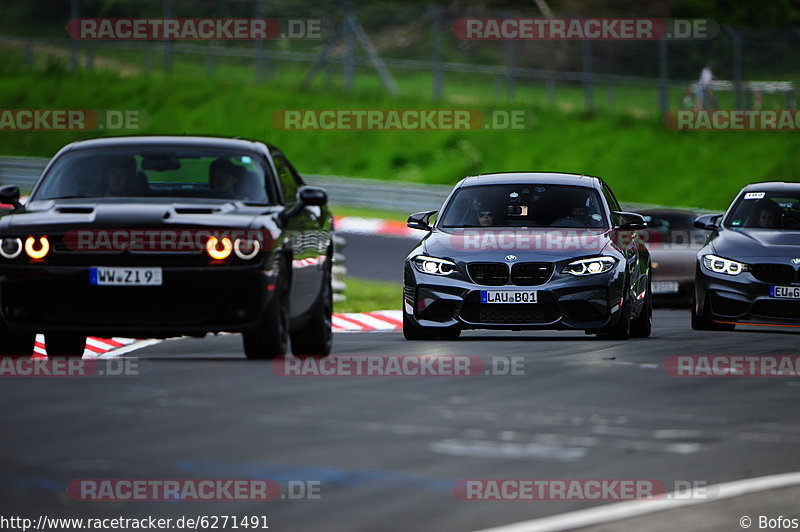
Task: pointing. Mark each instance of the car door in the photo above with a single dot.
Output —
(633, 247)
(303, 233)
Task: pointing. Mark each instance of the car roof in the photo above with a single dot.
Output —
(772, 186)
(523, 178)
(168, 140)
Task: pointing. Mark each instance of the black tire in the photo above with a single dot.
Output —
(642, 326)
(702, 323)
(69, 345)
(620, 330)
(16, 343)
(315, 338)
(412, 331)
(270, 338)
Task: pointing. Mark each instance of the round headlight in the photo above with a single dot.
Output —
(37, 250)
(253, 245)
(219, 248)
(10, 248)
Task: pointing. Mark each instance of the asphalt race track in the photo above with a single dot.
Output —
(386, 452)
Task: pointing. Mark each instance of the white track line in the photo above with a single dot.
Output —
(628, 509)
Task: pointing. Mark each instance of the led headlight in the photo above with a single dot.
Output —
(591, 266)
(219, 248)
(37, 249)
(721, 265)
(241, 245)
(10, 248)
(433, 265)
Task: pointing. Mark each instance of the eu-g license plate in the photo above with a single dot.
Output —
(785, 292)
(509, 296)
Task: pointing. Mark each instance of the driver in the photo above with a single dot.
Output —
(576, 212)
(222, 175)
(119, 176)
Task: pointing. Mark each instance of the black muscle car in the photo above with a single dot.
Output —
(156, 236)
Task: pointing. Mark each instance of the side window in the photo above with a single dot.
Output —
(612, 201)
(286, 178)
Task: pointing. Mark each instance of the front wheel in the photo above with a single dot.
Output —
(64, 345)
(701, 323)
(270, 338)
(315, 338)
(642, 326)
(15, 343)
(622, 329)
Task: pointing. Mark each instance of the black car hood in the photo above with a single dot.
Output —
(494, 244)
(757, 243)
(63, 215)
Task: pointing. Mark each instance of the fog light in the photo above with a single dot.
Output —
(37, 251)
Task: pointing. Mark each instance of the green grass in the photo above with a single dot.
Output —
(641, 159)
(366, 212)
(364, 296)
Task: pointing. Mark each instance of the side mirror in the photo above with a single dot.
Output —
(631, 221)
(312, 196)
(707, 221)
(9, 194)
(419, 220)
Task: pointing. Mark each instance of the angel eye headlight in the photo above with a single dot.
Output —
(592, 266)
(37, 249)
(723, 265)
(434, 266)
(10, 248)
(219, 248)
(241, 247)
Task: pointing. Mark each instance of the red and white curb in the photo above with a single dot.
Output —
(374, 226)
(377, 321)
(98, 347)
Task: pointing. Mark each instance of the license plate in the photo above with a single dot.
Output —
(508, 296)
(665, 287)
(785, 292)
(105, 276)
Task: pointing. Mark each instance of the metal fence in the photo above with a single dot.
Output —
(403, 41)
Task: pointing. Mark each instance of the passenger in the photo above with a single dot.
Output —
(119, 174)
(485, 218)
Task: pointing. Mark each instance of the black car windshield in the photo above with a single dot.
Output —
(156, 172)
(525, 206)
(766, 210)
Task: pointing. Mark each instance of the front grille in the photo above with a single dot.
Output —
(773, 273)
(777, 309)
(724, 306)
(531, 273)
(516, 313)
(488, 273)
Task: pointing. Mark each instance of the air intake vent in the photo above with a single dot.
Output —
(75, 210)
(196, 210)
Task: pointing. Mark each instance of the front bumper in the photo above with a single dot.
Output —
(564, 302)
(742, 299)
(191, 300)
